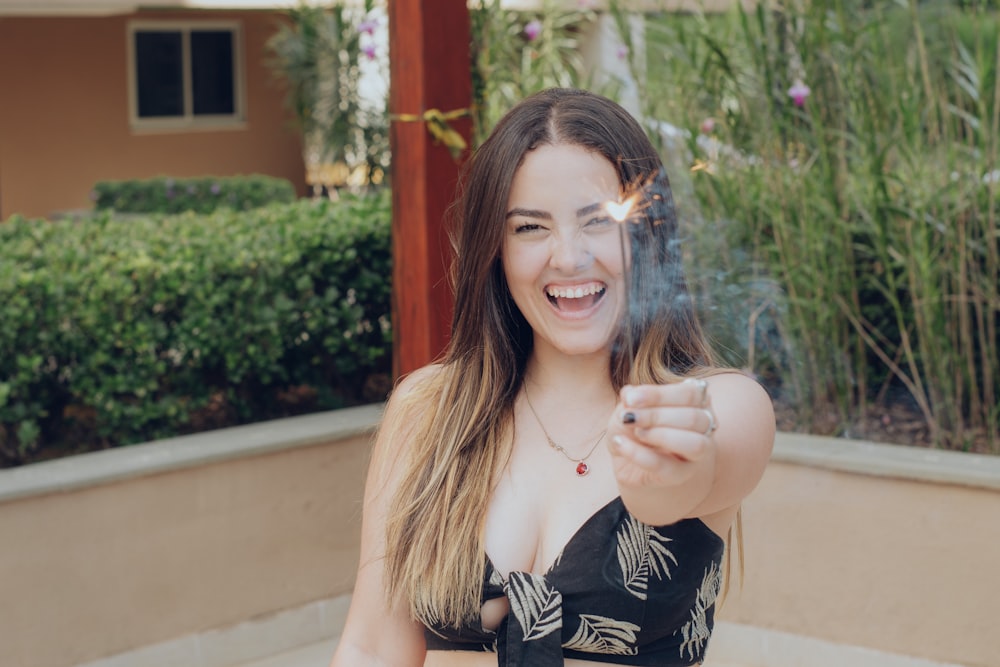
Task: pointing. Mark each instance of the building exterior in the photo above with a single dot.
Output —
(116, 89)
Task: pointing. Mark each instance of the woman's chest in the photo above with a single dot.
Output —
(538, 506)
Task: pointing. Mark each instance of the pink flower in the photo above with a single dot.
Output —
(622, 52)
(799, 92)
(532, 30)
(707, 126)
(369, 50)
(368, 26)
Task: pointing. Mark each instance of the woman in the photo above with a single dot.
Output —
(557, 488)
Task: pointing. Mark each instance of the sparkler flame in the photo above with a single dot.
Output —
(621, 210)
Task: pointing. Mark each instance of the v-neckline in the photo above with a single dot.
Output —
(559, 554)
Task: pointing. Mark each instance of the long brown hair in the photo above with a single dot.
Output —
(459, 420)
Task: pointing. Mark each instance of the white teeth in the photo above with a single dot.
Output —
(574, 293)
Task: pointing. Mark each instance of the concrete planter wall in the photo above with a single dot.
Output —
(108, 552)
(882, 546)
(251, 534)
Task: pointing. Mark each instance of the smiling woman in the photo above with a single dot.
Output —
(557, 489)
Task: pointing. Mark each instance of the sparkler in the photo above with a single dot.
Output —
(652, 203)
(620, 212)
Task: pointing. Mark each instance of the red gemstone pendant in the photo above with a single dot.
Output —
(582, 469)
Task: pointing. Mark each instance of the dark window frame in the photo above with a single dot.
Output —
(187, 118)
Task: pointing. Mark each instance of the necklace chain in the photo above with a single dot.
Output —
(582, 468)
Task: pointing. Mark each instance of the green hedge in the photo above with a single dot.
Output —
(201, 195)
(115, 332)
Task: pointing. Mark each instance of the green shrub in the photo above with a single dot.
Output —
(116, 332)
(200, 195)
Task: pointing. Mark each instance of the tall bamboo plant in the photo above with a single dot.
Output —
(319, 54)
(516, 53)
(854, 145)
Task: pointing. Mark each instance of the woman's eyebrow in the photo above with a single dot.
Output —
(545, 215)
(529, 213)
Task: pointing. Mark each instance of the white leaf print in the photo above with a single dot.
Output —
(631, 550)
(600, 634)
(642, 549)
(536, 605)
(696, 631)
(659, 554)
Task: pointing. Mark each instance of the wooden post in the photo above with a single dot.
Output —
(429, 69)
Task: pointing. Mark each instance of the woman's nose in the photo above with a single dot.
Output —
(570, 253)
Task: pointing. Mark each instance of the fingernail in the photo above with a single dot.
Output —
(628, 418)
(630, 395)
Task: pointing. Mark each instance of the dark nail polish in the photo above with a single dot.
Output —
(628, 418)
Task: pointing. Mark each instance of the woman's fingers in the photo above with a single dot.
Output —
(652, 446)
(691, 392)
(698, 420)
(682, 444)
(636, 454)
(674, 420)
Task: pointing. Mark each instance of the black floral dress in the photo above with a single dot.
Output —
(621, 592)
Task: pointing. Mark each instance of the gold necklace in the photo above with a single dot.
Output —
(581, 464)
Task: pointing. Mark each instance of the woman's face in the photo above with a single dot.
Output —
(562, 253)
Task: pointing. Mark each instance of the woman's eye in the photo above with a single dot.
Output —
(598, 222)
(524, 227)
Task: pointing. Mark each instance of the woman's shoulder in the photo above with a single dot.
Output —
(737, 382)
(415, 382)
(412, 394)
(746, 424)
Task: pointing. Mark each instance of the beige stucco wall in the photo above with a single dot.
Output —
(100, 570)
(903, 566)
(64, 114)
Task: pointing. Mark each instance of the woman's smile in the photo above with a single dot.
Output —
(575, 299)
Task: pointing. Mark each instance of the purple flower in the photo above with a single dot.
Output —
(368, 26)
(799, 92)
(215, 189)
(369, 50)
(532, 30)
(622, 52)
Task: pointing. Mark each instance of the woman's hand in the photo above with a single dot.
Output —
(660, 435)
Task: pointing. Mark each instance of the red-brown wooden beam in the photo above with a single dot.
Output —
(429, 69)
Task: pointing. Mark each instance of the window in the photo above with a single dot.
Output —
(184, 75)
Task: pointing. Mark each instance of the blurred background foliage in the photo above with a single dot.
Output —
(322, 55)
(834, 162)
(847, 153)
